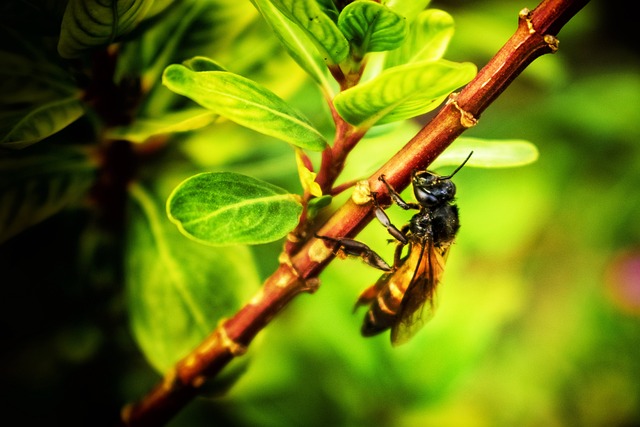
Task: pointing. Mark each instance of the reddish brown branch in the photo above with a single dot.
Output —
(535, 36)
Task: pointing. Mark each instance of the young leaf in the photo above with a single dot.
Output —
(402, 92)
(371, 27)
(178, 290)
(307, 178)
(39, 182)
(297, 43)
(228, 209)
(489, 153)
(244, 102)
(428, 38)
(90, 23)
(25, 127)
(322, 31)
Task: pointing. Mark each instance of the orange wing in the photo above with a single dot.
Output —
(419, 302)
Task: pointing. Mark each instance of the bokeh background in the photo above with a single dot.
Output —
(539, 313)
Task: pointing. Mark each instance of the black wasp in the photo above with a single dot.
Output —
(403, 298)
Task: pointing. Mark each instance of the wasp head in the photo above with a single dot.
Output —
(431, 189)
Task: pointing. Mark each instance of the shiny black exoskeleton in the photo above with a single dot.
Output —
(437, 217)
(397, 297)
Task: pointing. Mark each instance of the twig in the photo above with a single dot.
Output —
(534, 37)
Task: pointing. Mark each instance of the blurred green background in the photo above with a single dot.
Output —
(539, 313)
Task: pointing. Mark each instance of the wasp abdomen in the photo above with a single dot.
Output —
(384, 309)
(374, 323)
(403, 298)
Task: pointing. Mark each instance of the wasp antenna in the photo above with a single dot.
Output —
(458, 168)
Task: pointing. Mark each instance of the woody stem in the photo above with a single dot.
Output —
(535, 36)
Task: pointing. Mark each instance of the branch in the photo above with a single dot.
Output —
(534, 37)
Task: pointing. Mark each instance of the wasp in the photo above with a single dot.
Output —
(403, 298)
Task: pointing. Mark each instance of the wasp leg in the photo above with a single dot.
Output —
(384, 220)
(395, 196)
(397, 255)
(359, 249)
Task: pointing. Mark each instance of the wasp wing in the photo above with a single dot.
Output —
(419, 302)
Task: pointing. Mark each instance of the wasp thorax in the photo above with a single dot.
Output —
(431, 189)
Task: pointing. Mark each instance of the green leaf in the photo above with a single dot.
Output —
(322, 31)
(38, 183)
(177, 289)
(90, 23)
(144, 128)
(427, 40)
(28, 126)
(227, 209)
(371, 27)
(297, 43)
(488, 153)
(402, 92)
(39, 96)
(246, 103)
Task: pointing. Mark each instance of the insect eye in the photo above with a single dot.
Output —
(444, 190)
(424, 196)
(434, 191)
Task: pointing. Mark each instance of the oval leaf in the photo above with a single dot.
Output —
(371, 27)
(427, 40)
(178, 290)
(40, 122)
(489, 153)
(244, 102)
(227, 209)
(90, 23)
(297, 43)
(402, 92)
(322, 31)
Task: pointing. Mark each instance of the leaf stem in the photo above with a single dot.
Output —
(534, 36)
